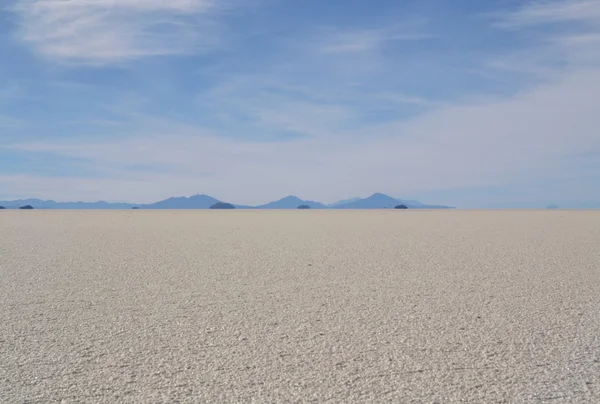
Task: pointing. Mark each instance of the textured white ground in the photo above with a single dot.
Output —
(299, 306)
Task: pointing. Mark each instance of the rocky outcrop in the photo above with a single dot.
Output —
(303, 207)
(26, 207)
(222, 205)
(2, 207)
(401, 207)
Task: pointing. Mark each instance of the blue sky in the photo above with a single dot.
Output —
(459, 102)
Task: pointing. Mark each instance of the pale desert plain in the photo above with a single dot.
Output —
(300, 306)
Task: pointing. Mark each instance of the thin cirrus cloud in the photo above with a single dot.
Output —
(493, 144)
(108, 31)
(562, 35)
(551, 12)
(356, 41)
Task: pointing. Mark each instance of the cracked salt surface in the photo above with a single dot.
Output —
(249, 306)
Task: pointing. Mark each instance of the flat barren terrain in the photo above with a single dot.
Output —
(300, 306)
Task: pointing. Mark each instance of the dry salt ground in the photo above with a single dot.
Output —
(300, 306)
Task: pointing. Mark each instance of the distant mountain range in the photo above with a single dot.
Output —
(193, 202)
(343, 202)
(292, 202)
(375, 201)
(382, 201)
(40, 204)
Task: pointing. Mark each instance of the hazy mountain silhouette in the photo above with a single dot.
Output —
(222, 205)
(42, 204)
(423, 206)
(243, 206)
(343, 202)
(382, 201)
(292, 202)
(410, 202)
(375, 201)
(182, 202)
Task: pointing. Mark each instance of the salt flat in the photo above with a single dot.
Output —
(300, 306)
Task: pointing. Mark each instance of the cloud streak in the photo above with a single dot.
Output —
(367, 40)
(101, 32)
(471, 145)
(558, 37)
(552, 12)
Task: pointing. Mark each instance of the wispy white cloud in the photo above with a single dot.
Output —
(332, 41)
(552, 11)
(108, 31)
(526, 138)
(557, 36)
(398, 98)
